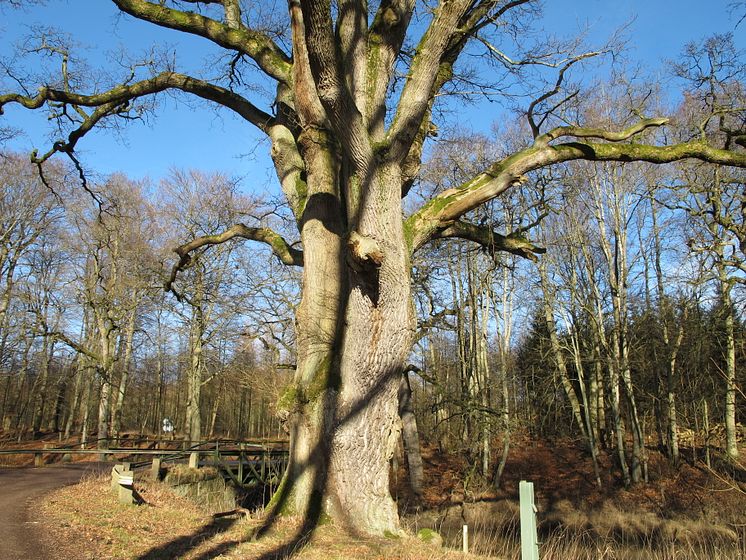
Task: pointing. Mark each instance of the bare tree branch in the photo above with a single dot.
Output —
(285, 252)
(444, 209)
(270, 58)
(536, 127)
(492, 241)
(417, 94)
(582, 132)
(116, 99)
(411, 124)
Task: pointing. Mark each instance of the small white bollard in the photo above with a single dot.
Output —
(465, 539)
(122, 479)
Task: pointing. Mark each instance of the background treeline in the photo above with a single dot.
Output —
(628, 332)
(91, 344)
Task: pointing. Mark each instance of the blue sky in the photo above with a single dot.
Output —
(199, 137)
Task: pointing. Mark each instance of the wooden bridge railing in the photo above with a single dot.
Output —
(246, 463)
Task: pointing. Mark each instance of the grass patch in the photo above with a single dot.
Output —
(86, 521)
(183, 474)
(568, 532)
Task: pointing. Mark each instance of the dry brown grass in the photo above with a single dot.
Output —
(86, 522)
(183, 473)
(684, 514)
(568, 532)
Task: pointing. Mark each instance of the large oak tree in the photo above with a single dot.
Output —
(354, 91)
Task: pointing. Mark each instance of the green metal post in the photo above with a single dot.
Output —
(529, 539)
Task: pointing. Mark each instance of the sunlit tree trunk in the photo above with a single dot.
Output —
(124, 366)
(731, 387)
(483, 370)
(671, 346)
(47, 351)
(85, 405)
(613, 238)
(410, 437)
(194, 375)
(355, 326)
(506, 313)
(611, 377)
(72, 409)
(557, 354)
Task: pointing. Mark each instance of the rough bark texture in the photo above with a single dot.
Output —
(354, 337)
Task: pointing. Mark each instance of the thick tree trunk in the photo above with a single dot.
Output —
(355, 326)
(215, 407)
(194, 386)
(105, 370)
(104, 409)
(55, 422)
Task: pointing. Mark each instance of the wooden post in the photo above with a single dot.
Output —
(194, 460)
(155, 469)
(465, 540)
(529, 540)
(38, 459)
(241, 459)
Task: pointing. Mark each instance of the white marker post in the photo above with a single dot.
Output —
(529, 539)
(465, 539)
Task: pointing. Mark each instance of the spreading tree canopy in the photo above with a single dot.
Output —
(354, 87)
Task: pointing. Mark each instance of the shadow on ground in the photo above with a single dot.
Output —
(180, 546)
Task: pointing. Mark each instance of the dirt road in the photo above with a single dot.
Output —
(20, 488)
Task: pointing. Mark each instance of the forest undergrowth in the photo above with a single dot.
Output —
(690, 513)
(685, 513)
